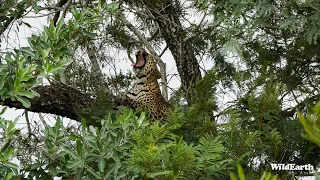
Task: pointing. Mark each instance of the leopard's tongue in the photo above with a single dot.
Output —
(140, 61)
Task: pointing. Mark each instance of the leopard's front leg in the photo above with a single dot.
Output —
(127, 99)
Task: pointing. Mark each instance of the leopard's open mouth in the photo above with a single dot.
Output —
(140, 59)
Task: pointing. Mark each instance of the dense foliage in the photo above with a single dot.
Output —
(257, 104)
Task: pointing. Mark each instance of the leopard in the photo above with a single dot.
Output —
(146, 92)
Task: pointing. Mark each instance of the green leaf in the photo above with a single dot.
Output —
(113, 6)
(141, 118)
(9, 175)
(53, 170)
(35, 93)
(53, 68)
(11, 165)
(101, 164)
(88, 34)
(75, 13)
(95, 174)
(35, 7)
(59, 25)
(8, 153)
(233, 176)
(6, 145)
(160, 173)
(79, 175)
(27, 51)
(74, 164)
(74, 137)
(25, 102)
(26, 94)
(69, 151)
(93, 130)
(79, 148)
(45, 52)
(3, 110)
(240, 172)
(84, 125)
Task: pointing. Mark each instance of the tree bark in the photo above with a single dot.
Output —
(56, 99)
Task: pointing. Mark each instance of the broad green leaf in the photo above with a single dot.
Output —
(25, 102)
(26, 94)
(35, 7)
(101, 164)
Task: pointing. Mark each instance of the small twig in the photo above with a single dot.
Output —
(66, 8)
(128, 53)
(154, 35)
(164, 50)
(42, 119)
(28, 122)
(197, 28)
(57, 14)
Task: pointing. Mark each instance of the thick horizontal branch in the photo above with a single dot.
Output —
(59, 99)
(55, 99)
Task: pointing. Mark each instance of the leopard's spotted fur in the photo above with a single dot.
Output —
(146, 92)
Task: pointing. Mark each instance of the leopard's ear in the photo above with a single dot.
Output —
(157, 73)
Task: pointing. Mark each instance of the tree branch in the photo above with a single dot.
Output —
(196, 29)
(56, 99)
(64, 100)
(6, 25)
(291, 111)
(57, 14)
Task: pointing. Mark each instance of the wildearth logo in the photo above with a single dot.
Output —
(292, 167)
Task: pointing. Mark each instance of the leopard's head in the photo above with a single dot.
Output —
(146, 65)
